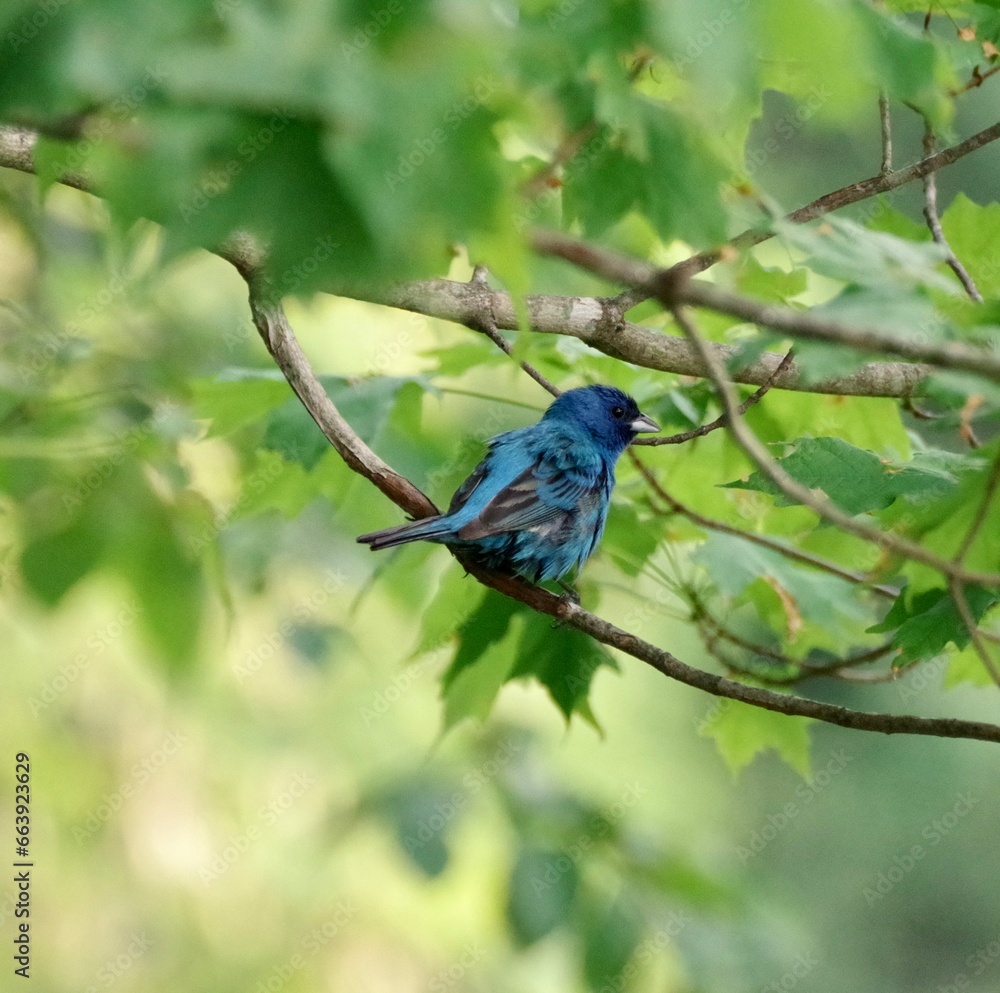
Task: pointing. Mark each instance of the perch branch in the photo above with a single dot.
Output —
(294, 365)
(17, 151)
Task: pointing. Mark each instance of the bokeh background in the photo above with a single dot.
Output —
(277, 798)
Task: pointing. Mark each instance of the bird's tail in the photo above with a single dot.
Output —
(427, 529)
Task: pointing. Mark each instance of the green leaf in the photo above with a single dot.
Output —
(973, 231)
(682, 179)
(456, 598)
(611, 933)
(906, 60)
(926, 623)
(485, 627)
(422, 812)
(149, 551)
(483, 661)
(856, 480)
(542, 889)
(237, 397)
(562, 659)
(769, 282)
(844, 250)
(365, 405)
(742, 732)
(53, 564)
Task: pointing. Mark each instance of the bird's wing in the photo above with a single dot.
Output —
(561, 475)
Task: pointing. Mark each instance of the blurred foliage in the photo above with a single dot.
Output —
(244, 776)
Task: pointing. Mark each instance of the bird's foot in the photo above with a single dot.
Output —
(569, 593)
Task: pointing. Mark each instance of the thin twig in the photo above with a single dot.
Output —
(720, 421)
(975, 636)
(488, 326)
(993, 480)
(820, 503)
(803, 670)
(829, 202)
(934, 221)
(569, 147)
(789, 551)
(885, 122)
(672, 290)
(976, 79)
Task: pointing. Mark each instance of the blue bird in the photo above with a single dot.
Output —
(537, 504)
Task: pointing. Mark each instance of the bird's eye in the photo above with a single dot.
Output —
(617, 411)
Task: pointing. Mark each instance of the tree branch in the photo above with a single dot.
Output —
(826, 204)
(885, 125)
(934, 221)
(17, 152)
(673, 290)
(720, 421)
(789, 551)
(281, 343)
(597, 322)
(818, 502)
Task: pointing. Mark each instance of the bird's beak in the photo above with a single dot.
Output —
(644, 425)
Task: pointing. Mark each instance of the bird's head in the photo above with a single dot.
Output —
(605, 412)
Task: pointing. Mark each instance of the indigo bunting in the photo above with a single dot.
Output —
(537, 504)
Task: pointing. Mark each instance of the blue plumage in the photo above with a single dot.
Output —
(537, 504)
